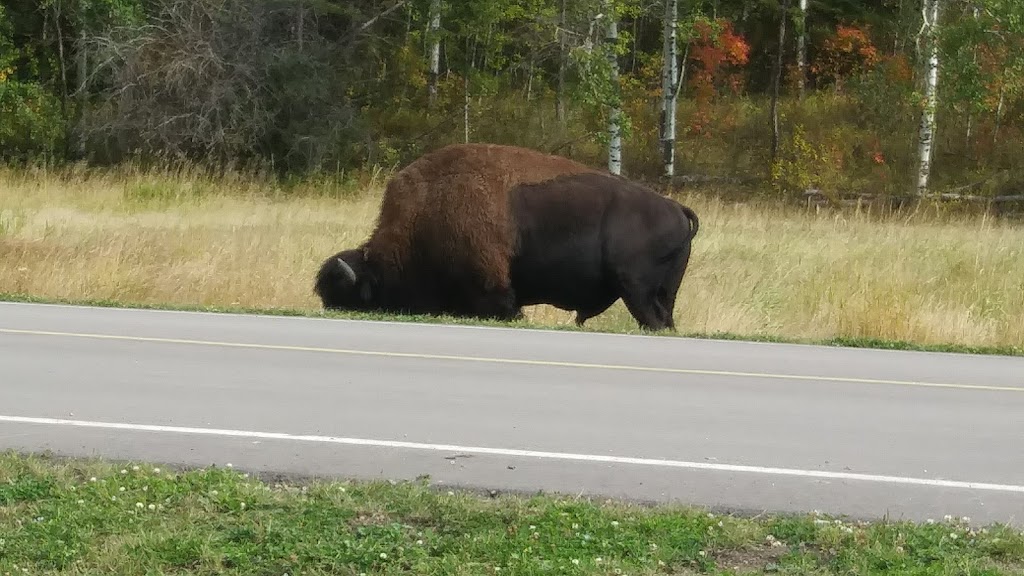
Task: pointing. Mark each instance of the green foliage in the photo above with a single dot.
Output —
(31, 123)
(231, 83)
(796, 168)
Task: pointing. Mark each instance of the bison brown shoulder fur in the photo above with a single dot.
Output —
(443, 240)
(585, 240)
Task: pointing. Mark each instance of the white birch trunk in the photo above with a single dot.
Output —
(614, 127)
(669, 83)
(435, 50)
(562, 57)
(926, 137)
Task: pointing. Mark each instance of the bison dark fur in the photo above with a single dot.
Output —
(443, 239)
(585, 240)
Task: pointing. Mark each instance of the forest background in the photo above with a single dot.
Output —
(843, 97)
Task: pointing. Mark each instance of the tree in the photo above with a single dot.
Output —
(669, 87)
(435, 50)
(801, 49)
(930, 56)
(777, 79)
(614, 118)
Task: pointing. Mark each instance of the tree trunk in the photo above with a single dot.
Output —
(777, 79)
(669, 84)
(801, 50)
(83, 78)
(300, 24)
(562, 57)
(614, 127)
(435, 51)
(926, 136)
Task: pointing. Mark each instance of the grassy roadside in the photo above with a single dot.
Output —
(759, 271)
(870, 343)
(78, 517)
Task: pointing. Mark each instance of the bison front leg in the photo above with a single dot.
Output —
(498, 304)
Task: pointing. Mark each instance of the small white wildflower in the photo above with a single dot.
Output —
(710, 515)
(152, 506)
(419, 542)
(576, 561)
(947, 518)
(450, 493)
(135, 468)
(138, 505)
(81, 501)
(93, 479)
(214, 492)
(532, 527)
(145, 488)
(229, 465)
(121, 489)
(383, 556)
(965, 519)
(123, 471)
(615, 523)
(953, 536)
(575, 526)
(156, 470)
(598, 559)
(661, 562)
(654, 546)
(242, 505)
(930, 521)
(702, 553)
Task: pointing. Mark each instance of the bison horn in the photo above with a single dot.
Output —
(349, 272)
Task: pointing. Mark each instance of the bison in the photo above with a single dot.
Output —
(443, 239)
(585, 240)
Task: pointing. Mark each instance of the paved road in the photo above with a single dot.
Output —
(728, 425)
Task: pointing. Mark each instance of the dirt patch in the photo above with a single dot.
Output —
(757, 559)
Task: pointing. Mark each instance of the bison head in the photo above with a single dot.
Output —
(344, 282)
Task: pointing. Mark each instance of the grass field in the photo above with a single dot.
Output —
(87, 517)
(758, 269)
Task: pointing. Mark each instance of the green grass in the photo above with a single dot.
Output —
(89, 517)
(871, 343)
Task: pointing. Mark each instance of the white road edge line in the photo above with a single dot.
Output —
(513, 330)
(519, 453)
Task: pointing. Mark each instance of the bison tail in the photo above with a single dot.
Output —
(694, 221)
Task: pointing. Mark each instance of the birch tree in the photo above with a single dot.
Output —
(669, 86)
(435, 50)
(930, 55)
(611, 41)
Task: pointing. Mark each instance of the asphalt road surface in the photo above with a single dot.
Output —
(731, 426)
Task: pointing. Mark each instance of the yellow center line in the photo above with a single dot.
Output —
(544, 363)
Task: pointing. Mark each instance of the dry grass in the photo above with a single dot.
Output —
(757, 269)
